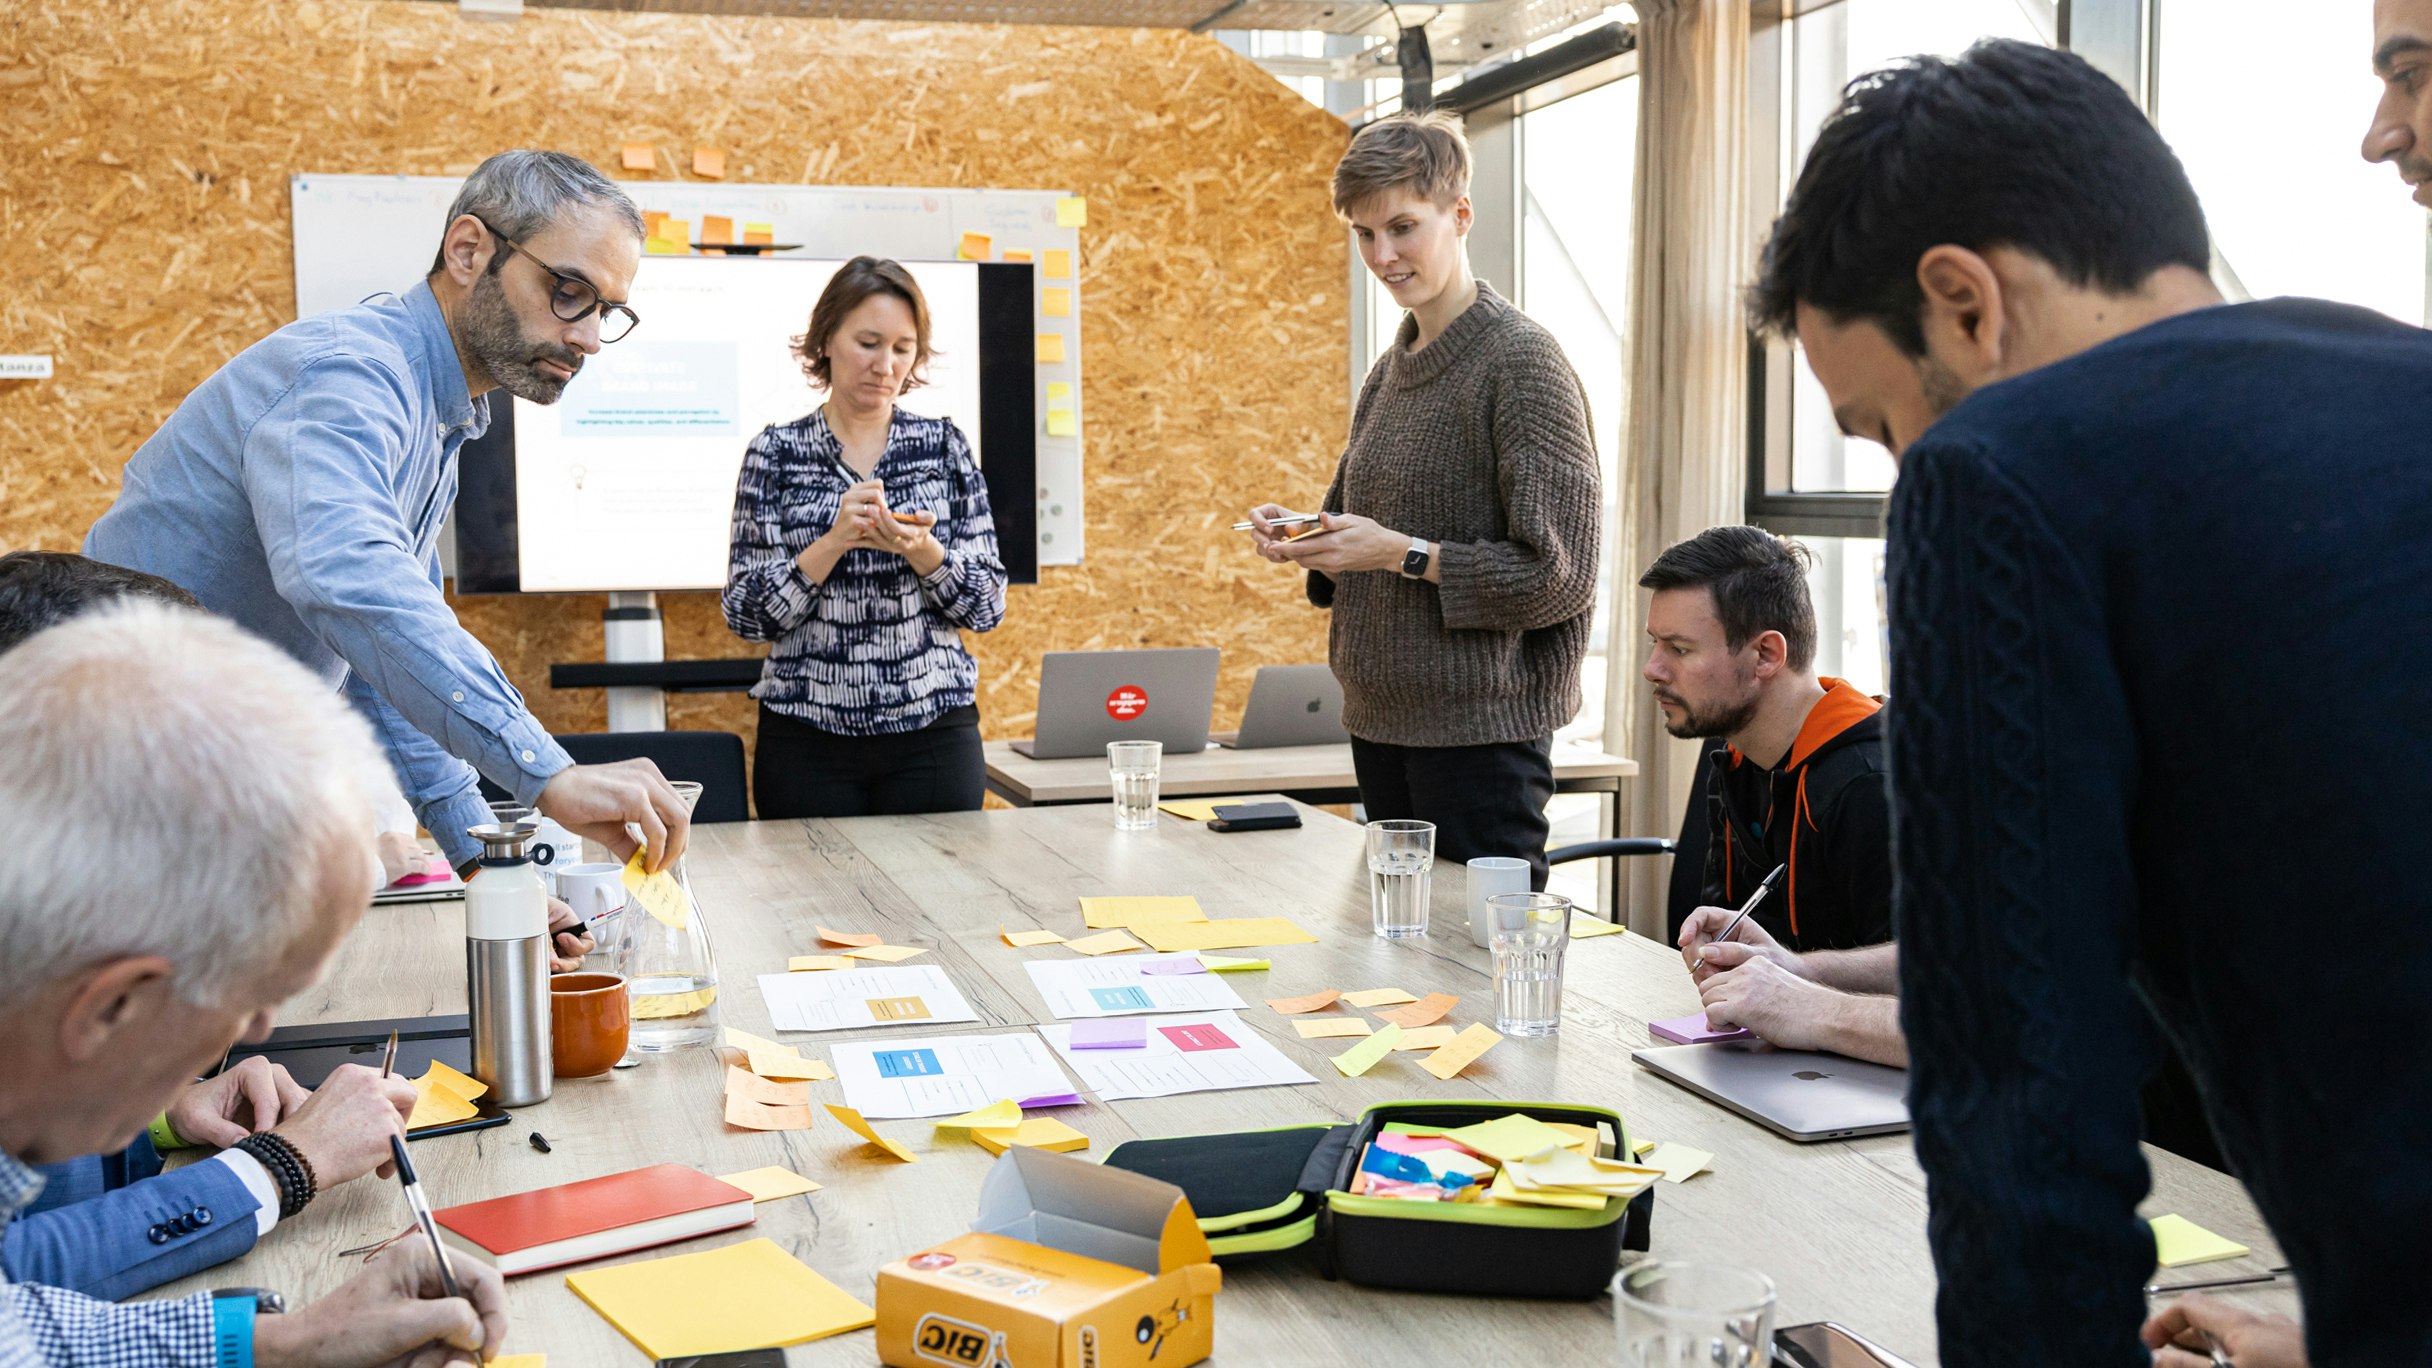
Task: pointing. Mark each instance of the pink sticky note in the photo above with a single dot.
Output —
(1110, 1033)
(1695, 1030)
(437, 873)
(1394, 1142)
(1191, 1039)
(1188, 964)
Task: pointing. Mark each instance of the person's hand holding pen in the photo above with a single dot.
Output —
(2197, 1331)
(1707, 956)
(396, 1312)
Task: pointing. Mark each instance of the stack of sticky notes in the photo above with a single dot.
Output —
(1175, 923)
(745, 1296)
(769, 1059)
(1000, 1126)
(2178, 1241)
(443, 1096)
(1514, 1160)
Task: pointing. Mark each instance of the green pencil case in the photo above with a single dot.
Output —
(1260, 1192)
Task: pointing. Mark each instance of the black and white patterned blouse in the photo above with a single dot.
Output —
(875, 649)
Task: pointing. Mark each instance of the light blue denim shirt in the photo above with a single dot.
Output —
(299, 491)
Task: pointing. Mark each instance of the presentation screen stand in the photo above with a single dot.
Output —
(635, 636)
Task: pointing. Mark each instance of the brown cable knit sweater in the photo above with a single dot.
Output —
(1479, 443)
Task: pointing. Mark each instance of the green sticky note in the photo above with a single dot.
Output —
(2177, 1241)
(1361, 1057)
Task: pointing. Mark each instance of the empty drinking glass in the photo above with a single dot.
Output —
(1401, 856)
(1670, 1315)
(669, 970)
(1531, 930)
(1133, 767)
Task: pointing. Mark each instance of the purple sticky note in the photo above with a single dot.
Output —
(1052, 1100)
(1185, 964)
(1110, 1033)
(1695, 1030)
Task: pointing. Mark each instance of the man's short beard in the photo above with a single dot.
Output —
(496, 341)
(1943, 389)
(1697, 726)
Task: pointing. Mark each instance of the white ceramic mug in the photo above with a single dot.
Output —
(592, 890)
(1489, 875)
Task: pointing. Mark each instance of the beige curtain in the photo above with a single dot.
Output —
(1687, 438)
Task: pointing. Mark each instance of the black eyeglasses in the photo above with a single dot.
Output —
(573, 299)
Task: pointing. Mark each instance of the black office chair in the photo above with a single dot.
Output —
(1688, 852)
(712, 759)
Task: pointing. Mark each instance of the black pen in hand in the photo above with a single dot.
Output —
(1745, 908)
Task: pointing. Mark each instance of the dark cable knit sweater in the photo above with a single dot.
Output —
(2158, 613)
(1479, 442)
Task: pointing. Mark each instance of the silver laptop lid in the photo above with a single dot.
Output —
(1803, 1095)
(1293, 705)
(1088, 698)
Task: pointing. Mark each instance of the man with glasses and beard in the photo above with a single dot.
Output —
(300, 491)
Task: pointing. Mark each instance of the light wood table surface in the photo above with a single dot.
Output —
(1840, 1227)
(1218, 770)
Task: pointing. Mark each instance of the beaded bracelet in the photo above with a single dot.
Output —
(287, 1167)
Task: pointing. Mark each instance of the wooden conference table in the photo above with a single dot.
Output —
(1840, 1227)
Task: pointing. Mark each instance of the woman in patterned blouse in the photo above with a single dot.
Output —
(862, 545)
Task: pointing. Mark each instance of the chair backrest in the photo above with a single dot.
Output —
(1689, 859)
(712, 759)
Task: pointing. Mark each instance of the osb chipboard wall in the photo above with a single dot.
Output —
(144, 197)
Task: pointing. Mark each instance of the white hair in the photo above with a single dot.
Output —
(171, 785)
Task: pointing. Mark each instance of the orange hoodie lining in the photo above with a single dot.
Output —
(1841, 708)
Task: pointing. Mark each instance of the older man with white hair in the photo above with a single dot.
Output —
(180, 743)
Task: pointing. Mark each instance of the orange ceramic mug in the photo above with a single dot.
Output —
(590, 1017)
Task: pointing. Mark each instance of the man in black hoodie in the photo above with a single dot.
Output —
(1797, 784)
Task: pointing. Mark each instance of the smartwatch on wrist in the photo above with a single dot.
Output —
(1414, 561)
(233, 1310)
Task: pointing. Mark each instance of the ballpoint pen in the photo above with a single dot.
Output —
(1745, 908)
(422, 1213)
(388, 1062)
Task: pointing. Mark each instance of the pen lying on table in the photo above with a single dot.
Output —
(2276, 1275)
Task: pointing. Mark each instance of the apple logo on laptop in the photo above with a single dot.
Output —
(1809, 1075)
(1317, 705)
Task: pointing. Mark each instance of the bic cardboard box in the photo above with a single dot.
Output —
(1069, 1265)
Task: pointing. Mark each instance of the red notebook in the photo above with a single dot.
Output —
(594, 1218)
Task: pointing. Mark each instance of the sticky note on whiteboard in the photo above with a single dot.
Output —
(1072, 211)
(1061, 423)
(1051, 349)
(1058, 390)
(1055, 302)
(1057, 265)
(975, 247)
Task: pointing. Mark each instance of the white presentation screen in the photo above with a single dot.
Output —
(628, 481)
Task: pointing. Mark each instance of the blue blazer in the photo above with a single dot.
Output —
(111, 1226)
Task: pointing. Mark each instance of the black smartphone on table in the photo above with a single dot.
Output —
(1824, 1344)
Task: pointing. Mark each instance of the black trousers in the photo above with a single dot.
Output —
(1484, 800)
(801, 771)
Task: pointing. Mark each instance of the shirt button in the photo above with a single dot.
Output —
(202, 1216)
(529, 757)
(158, 1235)
(456, 697)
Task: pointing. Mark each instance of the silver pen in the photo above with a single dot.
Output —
(1745, 908)
(422, 1213)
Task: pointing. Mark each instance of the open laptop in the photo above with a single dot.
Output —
(1088, 698)
(1291, 705)
(1802, 1095)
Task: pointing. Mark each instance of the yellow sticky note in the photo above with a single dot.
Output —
(853, 1122)
(975, 247)
(1503, 1189)
(658, 893)
(1583, 926)
(763, 1116)
(1377, 997)
(2178, 1241)
(1515, 1136)
(1056, 302)
(1020, 939)
(1461, 1051)
(1187, 810)
(1100, 913)
(1231, 933)
(1569, 1168)
(803, 964)
(1072, 211)
(891, 954)
(1061, 423)
(743, 1296)
(1051, 349)
(1426, 1038)
(998, 1115)
(1218, 964)
(769, 1059)
(717, 228)
(1060, 390)
(849, 937)
(1104, 943)
(1361, 1057)
(1013, 257)
(443, 1095)
(1039, 1132)
(1681, 1163)
(520, 1361)
(639, 157)
(769, 1092)
(709, 163)
(675, 238)
(1318, 1028)
(765, 1185)
(1056, 265)
(759, 235)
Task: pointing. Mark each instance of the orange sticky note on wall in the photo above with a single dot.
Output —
(640, 157)
(709, 162)
(1057, 266)
(717, 229)
(1051, 349)
(975, 247)
(1055, 302)
(652, 220)
(1014, 256)
(759, 234)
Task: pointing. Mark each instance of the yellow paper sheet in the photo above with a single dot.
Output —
(1056, 301)
(1424, 1012)
(744, 1296)
(1318, 1001)
(520, 1361)
(1231, 933)
(1568, 1168)
(1187, 810)
(1039, 1132)
(1378, 997)
(854, 1123)
(1057, 391)
(803, 964)
(752, 1087)
(1503, 1189)
(828, 937)
(1320, 1028)
(1072, 211)
(638, 156)
(1680, 1163)
(1105, 943)
(1583, 926)
(1099, 913)
(999, 1115)
(1425, 1038)
(2179, 1241)
(1219, 964)
(744, 1112)
(766, 1185)
(1516, 1136)
(1360, 1058)
(1020, 939)
(1056, 265)
(1051, 349)
(1061, 423)
(709, 163)
(769, 1059)
(892, 954)
(1461, 1051)
(442, 1095)
(975, 247)
(659, 893)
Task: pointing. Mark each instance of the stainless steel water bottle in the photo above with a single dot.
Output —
(506, 961)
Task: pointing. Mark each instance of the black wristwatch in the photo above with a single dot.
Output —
(1414, 561)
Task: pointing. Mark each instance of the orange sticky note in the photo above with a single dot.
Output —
(744, 1112)
(975, 247)
(1020, 939)
(1072, 211)
(640, 157)
(854, 1123)
(849, 937)
(1424, 1012)
(1462, 1051)
(768, 1092)
(1011, 255)
(1056, 302)
(1051, 349)
(709, 162)
(1320, 1028)
(651, 219)
(715, 228)
(1057, 265)
(1307, 1002)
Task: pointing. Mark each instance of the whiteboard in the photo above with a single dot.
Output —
(358, 236)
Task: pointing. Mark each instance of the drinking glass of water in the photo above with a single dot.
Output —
(1133, 766)
(1671, 1315)
(1401, 855)
(1530, 931)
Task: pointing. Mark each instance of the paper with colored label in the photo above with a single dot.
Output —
(1098, 988)
(1219, 964)
(1426, 1038)
(765, 1185)
(1110, 1033)
(658, 893)
(1207, 1052)
(2179, 1241)
(1585, 925)
(442, 1095)
(1056, 302)
(1072, 211)
(1039, 1132)
(1100, 913)
(1056, 265)
(853, 1122)
(1461, 1051)
(1680, 1163)
(709, 163)
(975, 247)
(744, 1112)
(1306, 1002)
(769, 1059)
(1228, 934)
(744, 1296)
(1061, 423)
(891, 954)
(1021, 939)
(1425, 1012)
(849, 937)
(638, 156)
(1188, 810)
(769, 1092)
(1378, 997)
(1361, 1057)
(1696, 1030)
(943, 1075)
(1319, 1028)
(1506, 1138)
(803, 964)
(1106, 943)
(1051, 349)
(997, 1115)
(875, 996)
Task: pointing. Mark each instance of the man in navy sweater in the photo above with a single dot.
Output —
(2160, 579)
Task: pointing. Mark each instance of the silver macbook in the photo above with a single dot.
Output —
(1803, 1095)
(1291, 705)
(1088, 698)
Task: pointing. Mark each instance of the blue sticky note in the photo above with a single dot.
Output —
(908, 1064)
(1123, 999)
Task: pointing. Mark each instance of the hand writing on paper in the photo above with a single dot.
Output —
(394, 1312)
(342, 1129)
(1750, 941)
(250, 1096)
(2181, 1335)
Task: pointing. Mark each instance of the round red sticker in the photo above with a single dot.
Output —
(1127, 703)
(929, 1263)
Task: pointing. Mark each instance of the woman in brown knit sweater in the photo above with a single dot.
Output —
(1458, 549)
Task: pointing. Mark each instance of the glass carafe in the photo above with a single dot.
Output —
(669, 971)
